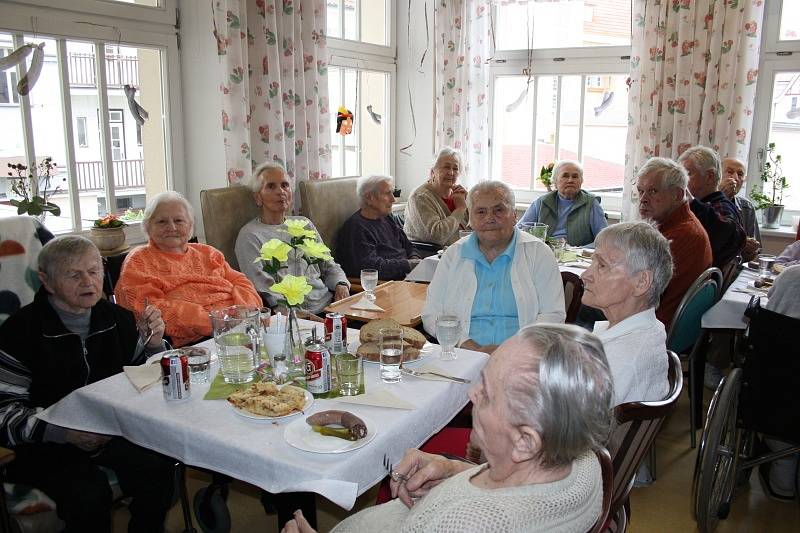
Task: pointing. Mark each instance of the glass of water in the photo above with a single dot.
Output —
(369, 280)
(199, 364)
(448, 331)
(391, 344)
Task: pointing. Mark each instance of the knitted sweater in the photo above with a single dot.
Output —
(184, 287)
(374, 243)
(428, 219)
(568, 505)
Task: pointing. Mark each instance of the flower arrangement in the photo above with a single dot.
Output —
(546, 176)
(275, 255)
(771, 177)
(108, 222)
(33, 186)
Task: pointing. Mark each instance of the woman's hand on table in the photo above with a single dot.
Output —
(419, 472)
(151, 327)
(86, 441)
(298, 524)
(342, 291)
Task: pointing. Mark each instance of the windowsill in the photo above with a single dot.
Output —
(784, 231)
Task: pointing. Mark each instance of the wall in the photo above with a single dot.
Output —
(205, 156)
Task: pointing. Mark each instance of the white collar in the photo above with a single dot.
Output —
(632, 323)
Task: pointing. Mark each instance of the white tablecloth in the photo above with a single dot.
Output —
(209, 434)
(425, 269)
(728, 312)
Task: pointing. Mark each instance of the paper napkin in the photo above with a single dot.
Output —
(378, 398)
(366, 305)
(143, 376)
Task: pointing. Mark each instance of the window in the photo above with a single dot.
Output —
(569, 102)
(359, 20)
(80, 127)
(83, 76)
(8, 82)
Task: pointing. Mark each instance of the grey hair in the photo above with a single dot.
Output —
(645, 248)
(447, 151)
(164, 198)
(564, 162)
(370, 184)
(256, 181)
(673, 175)
(705, 158)
(492, 186)
(60, 251)
(563, 390)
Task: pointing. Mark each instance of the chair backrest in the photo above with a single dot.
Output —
(701, 296)
(328, 203)
(225, 211)
(637, 426)
(573, 292)
(730, 272)
(607, 470)
(22, 238)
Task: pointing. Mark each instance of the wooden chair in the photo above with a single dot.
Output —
(573, 292)
(686, 336)
(638, 424)
(607, 469)
(328, 203)
(225, 211)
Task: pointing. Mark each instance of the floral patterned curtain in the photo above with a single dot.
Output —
(463, 39)
(274, 86)
(694, 65)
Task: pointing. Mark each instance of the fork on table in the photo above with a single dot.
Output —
(149, 329)
(396, 476)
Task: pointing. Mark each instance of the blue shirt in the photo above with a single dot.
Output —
(494, 315)
(597, 219)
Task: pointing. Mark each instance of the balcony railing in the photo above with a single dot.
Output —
(128, 174)
(120, 70)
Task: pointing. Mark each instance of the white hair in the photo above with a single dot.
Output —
(564, 162)
(492, 186)
(369, 185)
(705, 158)
(451, 152)
(59, 252)
(256, 181)
(672, 175)
(165, 197)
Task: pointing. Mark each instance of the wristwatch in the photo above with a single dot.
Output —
(343, 283)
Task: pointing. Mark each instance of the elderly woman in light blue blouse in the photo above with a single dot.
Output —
(569, 211)
(498, 279)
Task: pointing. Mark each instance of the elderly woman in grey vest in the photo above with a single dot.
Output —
(541, 407)
(569, 211)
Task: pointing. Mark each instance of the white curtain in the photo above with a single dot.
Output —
(273, 66)
(463, 44)
(694, 65)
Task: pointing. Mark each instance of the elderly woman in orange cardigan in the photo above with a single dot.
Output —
(184, 280)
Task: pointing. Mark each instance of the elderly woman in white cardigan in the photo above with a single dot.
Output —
(498, 279)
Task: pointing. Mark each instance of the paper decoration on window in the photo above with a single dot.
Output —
(344, 121)
(16, 57)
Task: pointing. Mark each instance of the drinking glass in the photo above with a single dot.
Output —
(391, 344)
(350, 370)
(369, 280)
(199, 364)
(537, 229)
(448, 331)
(237, 339)
(765, 264)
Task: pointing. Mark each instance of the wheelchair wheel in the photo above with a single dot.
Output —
(717, 462)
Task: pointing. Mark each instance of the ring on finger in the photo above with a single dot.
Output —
(397, 476)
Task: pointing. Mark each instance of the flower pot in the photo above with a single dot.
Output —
(771, 216)
(107, 239)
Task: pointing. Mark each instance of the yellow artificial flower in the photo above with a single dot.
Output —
(297, 228)
(293, 288)
(315, 250)
(274, 248)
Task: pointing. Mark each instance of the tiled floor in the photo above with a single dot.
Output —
(662, 507)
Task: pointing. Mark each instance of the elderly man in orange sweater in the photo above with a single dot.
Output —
(184, 280)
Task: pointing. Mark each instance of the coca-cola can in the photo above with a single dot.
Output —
(175, 375)
(336, 332)
(318, 368)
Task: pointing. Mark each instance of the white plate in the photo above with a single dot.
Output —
(300, 435)
(248, 414)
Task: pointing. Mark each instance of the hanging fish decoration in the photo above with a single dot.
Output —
(29, 79)
(16, 57)
(376, 118)
(138, 112)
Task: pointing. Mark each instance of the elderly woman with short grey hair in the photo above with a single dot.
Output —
(68, 337)
(184, 280)
(437, 209)
(540, 409)
(272, 193)
(498, 279)
(631, 267)
(372, 238)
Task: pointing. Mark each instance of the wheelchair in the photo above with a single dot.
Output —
(759, 398)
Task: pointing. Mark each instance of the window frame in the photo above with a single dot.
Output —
(108, 24)
(353, 48)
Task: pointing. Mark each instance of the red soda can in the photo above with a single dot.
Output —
(336, 332)
(318, 367)
(175, 375)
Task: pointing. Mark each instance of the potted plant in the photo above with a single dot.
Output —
(768, 197)
(108, 233)
(33, 188)
(546, 176)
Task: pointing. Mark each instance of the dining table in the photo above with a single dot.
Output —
(213, 435)
(400, 300)
(728, 312)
